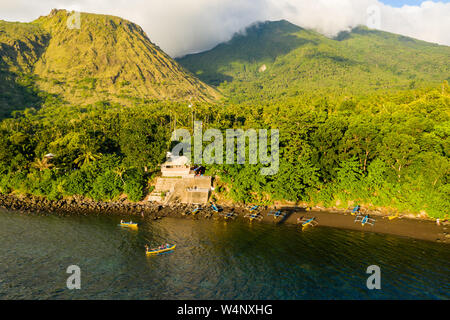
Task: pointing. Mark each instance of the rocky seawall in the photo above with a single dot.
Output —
(82, 206)
(424, 229)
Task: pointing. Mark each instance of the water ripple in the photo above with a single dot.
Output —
(213, 260)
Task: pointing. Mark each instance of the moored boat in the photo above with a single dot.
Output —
(130, 224)
(254, 216)
(156, 251)
(305, 222)
(276, 214)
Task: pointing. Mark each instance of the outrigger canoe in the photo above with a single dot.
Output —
(229, 215)
(309, 222)
(214, 207)
(355, 211)
(129, 224)
(156, 251)
(255, 216)
(393, 217)
(365, 220)
(276, 214)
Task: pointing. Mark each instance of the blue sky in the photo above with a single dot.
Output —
(400, 3)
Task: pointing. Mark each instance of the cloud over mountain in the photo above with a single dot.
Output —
(180, 26)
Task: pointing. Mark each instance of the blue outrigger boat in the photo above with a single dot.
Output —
(253, 216)
(355, 211)
(229, 215)
(214, 207)
(276, 214)
(365, 220)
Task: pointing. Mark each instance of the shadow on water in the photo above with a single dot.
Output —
(289, 211)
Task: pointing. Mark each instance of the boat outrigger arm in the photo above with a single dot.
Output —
(365, 220)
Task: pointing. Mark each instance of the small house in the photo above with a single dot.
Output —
(176, 166)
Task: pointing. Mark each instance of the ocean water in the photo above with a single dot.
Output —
(213, 260)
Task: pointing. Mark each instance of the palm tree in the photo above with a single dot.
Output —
(119, 171)
(86, 156)
(42, 164)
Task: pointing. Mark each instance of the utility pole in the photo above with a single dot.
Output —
(191, 106)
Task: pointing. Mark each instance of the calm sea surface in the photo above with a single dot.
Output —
(213, 260)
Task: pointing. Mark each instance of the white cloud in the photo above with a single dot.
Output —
(184, 26)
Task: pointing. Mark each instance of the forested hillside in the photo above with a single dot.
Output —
(385, 150)
(274, 60)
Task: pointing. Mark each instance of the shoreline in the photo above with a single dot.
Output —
(415, 228)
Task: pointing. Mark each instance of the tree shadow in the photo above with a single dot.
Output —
(289, 211)
(17, 93)
(17, 83)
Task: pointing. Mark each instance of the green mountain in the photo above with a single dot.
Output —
(107, 58)
(276, 59)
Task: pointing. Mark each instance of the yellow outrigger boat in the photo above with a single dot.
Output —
(130, 224)
(392, 217)
(158, 250)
